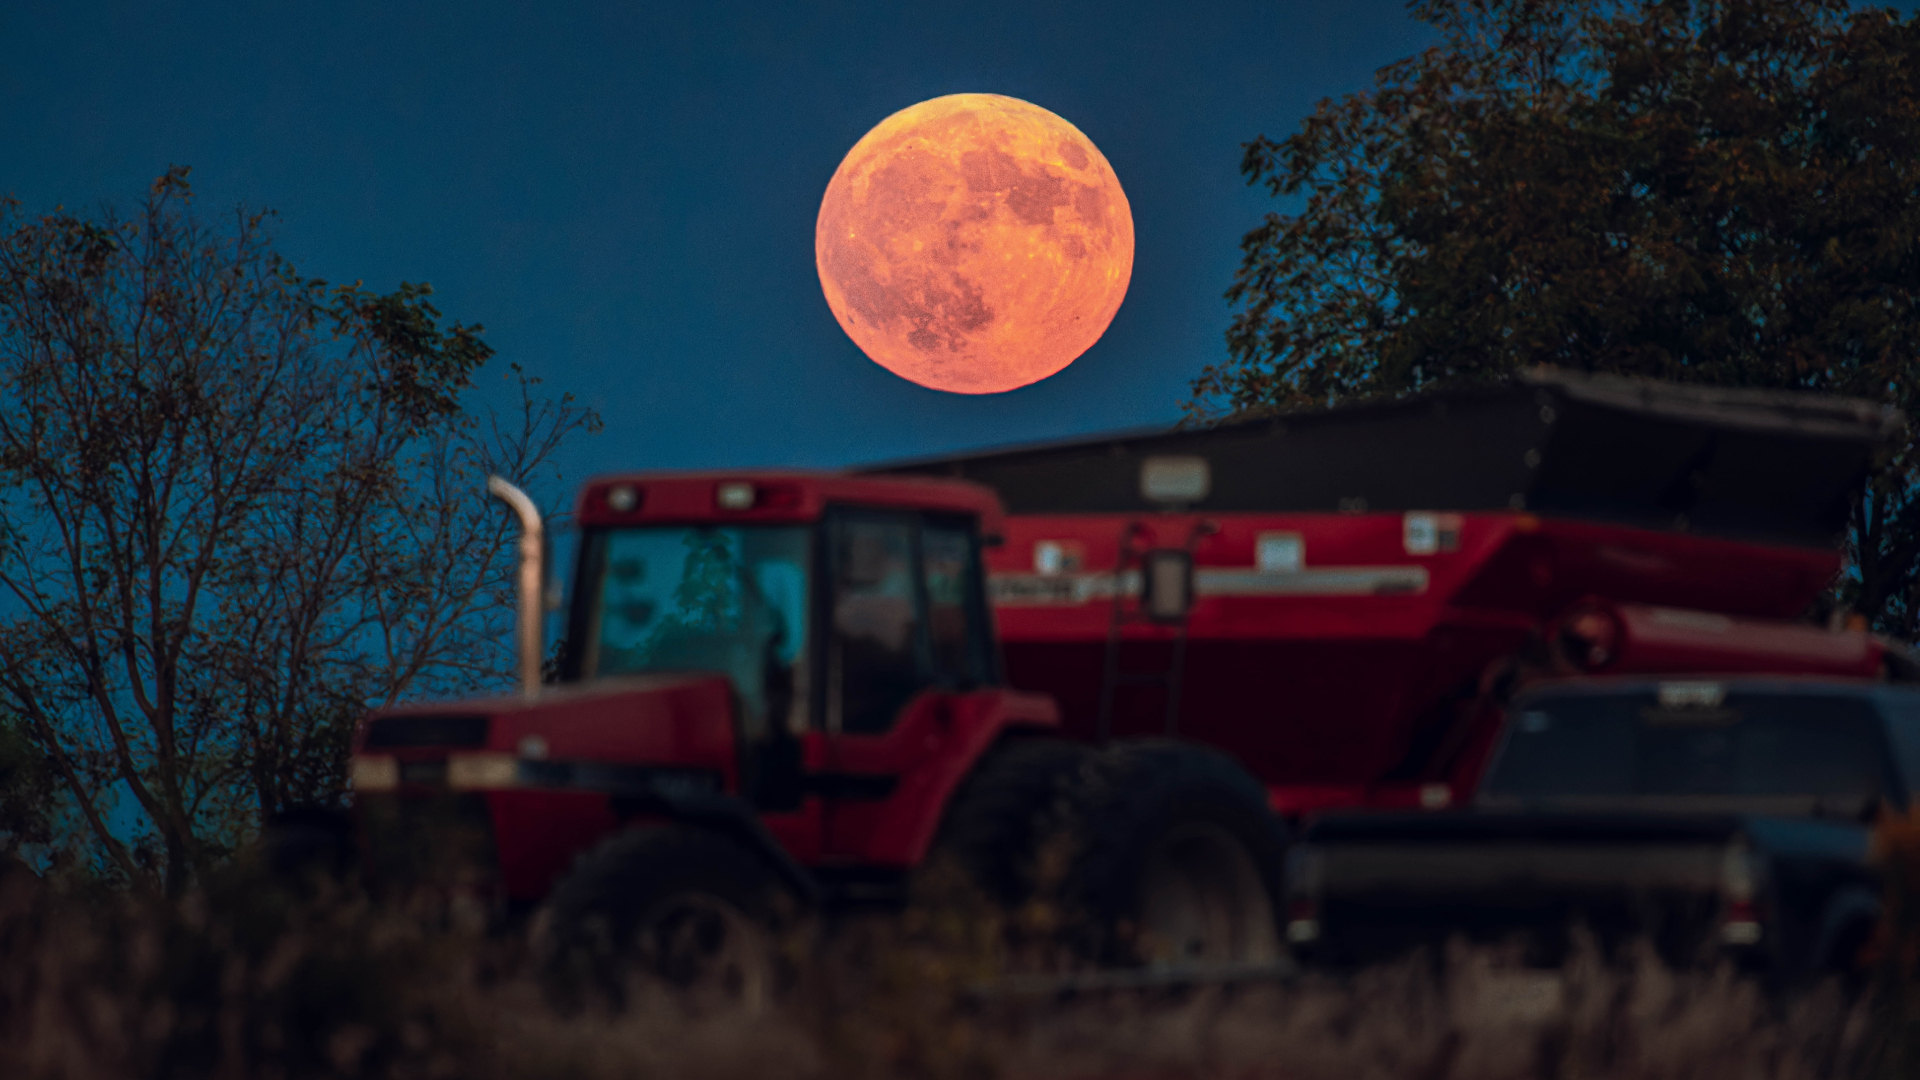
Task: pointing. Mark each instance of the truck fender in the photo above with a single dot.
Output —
(1850, 911)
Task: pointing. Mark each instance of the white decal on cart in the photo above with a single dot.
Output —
(1048, 590)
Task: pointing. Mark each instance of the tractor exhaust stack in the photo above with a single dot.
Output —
(533, 608)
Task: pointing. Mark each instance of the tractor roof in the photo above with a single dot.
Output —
(749, 496)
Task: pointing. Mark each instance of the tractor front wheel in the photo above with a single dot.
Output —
(683, 909)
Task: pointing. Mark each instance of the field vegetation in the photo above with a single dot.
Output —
(248, 978)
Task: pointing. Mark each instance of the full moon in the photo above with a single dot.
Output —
(974, 243)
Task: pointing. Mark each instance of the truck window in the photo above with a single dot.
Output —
(690, 598)
(1571, 748)
(1755, 745)
(875, 660)
(957, 641)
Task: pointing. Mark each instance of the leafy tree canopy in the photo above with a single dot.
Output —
(1718, 191)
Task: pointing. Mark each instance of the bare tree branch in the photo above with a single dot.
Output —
(241, 507)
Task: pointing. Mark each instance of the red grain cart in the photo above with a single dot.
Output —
(1369, 583)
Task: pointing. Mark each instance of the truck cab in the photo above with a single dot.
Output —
(1713, 819)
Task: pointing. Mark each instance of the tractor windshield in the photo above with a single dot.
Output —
(695, 598)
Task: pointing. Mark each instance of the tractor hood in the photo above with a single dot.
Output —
(678, 722)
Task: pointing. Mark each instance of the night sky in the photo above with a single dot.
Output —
(625, 194)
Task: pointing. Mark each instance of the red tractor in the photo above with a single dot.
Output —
(782, 692)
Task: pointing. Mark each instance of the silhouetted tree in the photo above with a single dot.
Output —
(240, 508)
(29, 815)
(1720, 191)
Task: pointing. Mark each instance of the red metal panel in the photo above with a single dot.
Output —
(642, 719)
(1338, 674)
(538, 834)
(932, 749)
(802, 832)
(1659, 639)
(692, 497)
(1356, 569)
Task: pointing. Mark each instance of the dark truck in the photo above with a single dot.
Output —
(1713, 819)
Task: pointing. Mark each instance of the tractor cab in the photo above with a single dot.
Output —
(802, 662)
(831, 605)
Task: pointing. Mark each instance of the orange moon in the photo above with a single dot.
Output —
(974, 243)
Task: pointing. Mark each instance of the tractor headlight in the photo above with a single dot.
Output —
(373, 772)
(482, 771)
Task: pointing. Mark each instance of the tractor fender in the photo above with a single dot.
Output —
(914, 812)
(732, 817)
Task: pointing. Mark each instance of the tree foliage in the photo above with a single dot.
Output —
(241, 507)
(1719, 191)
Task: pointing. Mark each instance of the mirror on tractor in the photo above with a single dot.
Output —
(1166, 584)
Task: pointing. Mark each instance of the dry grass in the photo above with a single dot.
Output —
(247, 983)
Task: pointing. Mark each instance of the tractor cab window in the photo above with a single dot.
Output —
(906, 612)
(695, 598)
(956, 620)
(876, 661)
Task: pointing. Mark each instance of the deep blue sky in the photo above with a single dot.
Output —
(624, 194)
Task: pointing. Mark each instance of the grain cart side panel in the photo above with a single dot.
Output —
(1346, 669)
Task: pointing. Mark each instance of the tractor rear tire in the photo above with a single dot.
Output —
(1173, 856)
(683, 909)
(991, 833)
